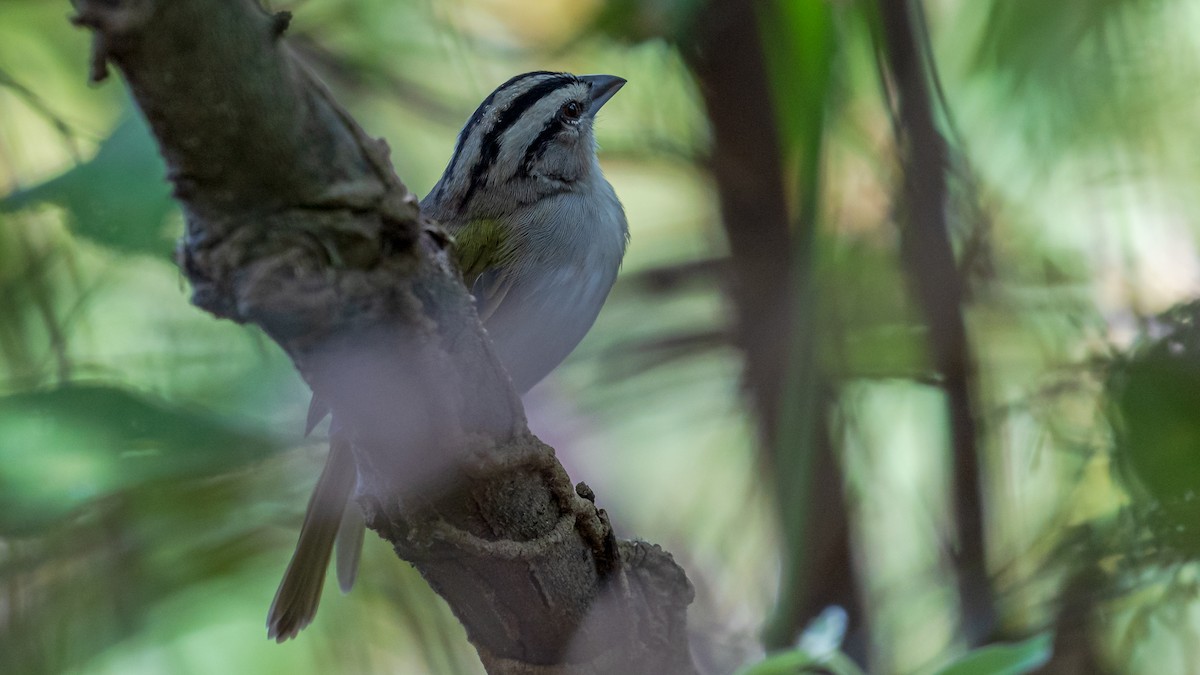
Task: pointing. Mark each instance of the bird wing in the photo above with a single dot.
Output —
(483, 253)
(489, 290)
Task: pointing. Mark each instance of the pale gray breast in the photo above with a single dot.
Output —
(558, 290)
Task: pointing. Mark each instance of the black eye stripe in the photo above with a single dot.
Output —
(539, 144)
(570, 112)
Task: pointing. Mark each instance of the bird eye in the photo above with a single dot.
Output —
(572, 110)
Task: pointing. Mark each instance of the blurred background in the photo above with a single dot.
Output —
(769, 393)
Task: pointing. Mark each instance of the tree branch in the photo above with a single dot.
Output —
(296, 223)
(929, 261)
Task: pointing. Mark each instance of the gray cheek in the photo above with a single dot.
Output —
(581, 155)
(565, 165)
(569, 159)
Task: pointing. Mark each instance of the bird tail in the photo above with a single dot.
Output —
(299, 593)
(349, 546)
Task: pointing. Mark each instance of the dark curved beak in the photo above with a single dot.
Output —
(603, 88)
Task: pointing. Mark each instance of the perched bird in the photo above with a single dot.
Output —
(539, 237)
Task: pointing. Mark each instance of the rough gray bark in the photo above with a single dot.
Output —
(297, 223)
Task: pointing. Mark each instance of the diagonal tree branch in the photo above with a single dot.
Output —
(296, 223)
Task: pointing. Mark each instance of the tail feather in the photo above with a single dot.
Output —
(317, 410)
(349, 546)
(299, 593)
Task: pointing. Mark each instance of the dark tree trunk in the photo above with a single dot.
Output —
(769, 260)
(929, 262)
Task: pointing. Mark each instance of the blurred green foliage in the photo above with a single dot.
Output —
(118, 198)
(152, 470)
(1155, 391)
(1007, 659)
(95, 440)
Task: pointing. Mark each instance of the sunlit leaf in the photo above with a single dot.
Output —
(797, 661)
(1004, 659)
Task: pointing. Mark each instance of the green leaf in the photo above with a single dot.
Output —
(1004, 659)
(64, 447)
(118, 198)
(780, 664)
(800, 661)
(799, 42)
